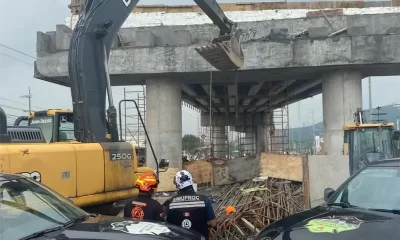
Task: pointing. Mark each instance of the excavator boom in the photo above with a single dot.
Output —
(88, 70)
(89, 52)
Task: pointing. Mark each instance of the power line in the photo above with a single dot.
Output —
(13, 108)
(19, 60)
(15, 50)
(13, 101)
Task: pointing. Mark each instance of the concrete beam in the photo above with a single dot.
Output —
(304, 87)
(206, 88)
(220, 119)
(215, 101)
(253, 91)
(275, 90)
(232, 93)
(360, 52)
(188, 90)
(302, 96)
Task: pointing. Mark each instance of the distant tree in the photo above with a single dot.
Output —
(190, 142)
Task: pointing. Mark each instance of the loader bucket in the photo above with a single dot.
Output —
(224, 53)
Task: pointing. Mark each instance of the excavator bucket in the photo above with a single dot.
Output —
(224, 53)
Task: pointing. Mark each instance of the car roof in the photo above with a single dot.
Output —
(391, 162)
(9, 176)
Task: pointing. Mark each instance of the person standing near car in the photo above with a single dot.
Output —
(189, 209)
(143, 207)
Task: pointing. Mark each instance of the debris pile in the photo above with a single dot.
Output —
(258, 203)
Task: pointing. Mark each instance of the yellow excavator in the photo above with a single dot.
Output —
(79, 153)
(90, 174)
(367, 142)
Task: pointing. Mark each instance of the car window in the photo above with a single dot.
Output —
(26, 208)
(374, 187)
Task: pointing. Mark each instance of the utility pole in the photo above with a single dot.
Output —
(313, 129)
(370, 98)
(29, 96)
(125, 117)
(299, 127)
(305, 145)
(211, 112)
(397, 118)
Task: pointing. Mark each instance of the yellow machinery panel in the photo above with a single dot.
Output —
(90, 168)
(87, 173)
(52, 164)
(4, 160)
(120, 163)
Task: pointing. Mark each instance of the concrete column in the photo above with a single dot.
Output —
(219, 141)
(164, 121)
(261, 139)
(249, 141)
(341, 96)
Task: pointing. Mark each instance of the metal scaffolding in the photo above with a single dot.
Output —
(220, 142)
(278, 125)
(133, 130)
(279, 139)
(231, 142)
(247, 142)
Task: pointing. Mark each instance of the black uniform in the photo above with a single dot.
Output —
(143, 207)
(190, 210)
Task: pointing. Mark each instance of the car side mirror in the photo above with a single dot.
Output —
(396, 135)
(328, 192)
(163, 164)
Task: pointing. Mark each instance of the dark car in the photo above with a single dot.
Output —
(30, 210)
(366, 206)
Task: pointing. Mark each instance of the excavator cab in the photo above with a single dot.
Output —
(57, 125)
(368, 142)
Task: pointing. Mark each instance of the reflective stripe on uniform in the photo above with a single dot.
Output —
(139, 203)
(193, 204)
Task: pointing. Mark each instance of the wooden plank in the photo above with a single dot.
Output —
(201, 170)
(281, 166)
(306, 182)
(166, 180)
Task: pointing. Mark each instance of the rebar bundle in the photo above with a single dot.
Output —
(257, 204)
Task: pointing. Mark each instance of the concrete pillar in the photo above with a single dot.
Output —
(341, 96)
(249, 141)
(164, 121)
(261, 139)
(219, 141)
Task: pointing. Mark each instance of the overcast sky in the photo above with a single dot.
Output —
(19, 23)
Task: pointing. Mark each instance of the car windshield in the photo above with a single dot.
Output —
(372, 188)
(27, 208)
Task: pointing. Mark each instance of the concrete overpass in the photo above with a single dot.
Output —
(290, 55)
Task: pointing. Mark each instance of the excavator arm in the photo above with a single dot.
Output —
(88, 67)
(90, 48)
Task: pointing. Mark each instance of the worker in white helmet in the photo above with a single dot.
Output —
(189, 209)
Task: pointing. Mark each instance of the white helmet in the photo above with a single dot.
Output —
(183, 179)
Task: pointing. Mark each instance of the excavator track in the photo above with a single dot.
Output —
(224, 55)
